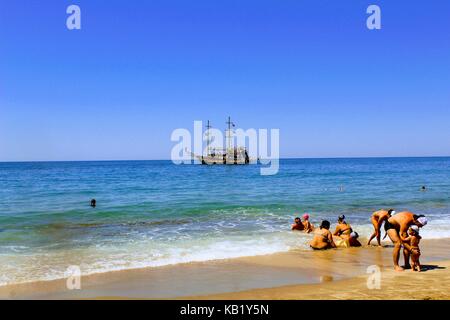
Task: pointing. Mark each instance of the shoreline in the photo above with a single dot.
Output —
(431, 284)
(254, 276)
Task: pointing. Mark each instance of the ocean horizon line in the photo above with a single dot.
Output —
(283, 158)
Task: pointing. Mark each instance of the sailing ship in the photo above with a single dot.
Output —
(231, 155)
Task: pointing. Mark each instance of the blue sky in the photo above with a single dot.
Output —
(139, 69)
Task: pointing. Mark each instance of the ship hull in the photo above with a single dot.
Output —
(209, 160)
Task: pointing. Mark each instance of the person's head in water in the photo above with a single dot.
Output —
(306, 217)
(297, 220)
(93, 203)
(341, 218)
(424, 188)
(325, 224)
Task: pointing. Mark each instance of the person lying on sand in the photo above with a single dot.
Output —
(298, 225)
(343, 229)
(396, 228)
(308, 227)
(323, 239)
(378, 217)
(413, 240)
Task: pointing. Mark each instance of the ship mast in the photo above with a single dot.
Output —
(208, 151)
(229, 123)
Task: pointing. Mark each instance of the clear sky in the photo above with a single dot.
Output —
(139, 69)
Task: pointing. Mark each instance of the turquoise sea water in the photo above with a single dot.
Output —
(154, 213)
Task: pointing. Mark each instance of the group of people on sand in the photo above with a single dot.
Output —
(402, 229)
(343, 236)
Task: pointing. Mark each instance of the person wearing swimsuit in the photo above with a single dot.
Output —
(323, 239)
(308, 227)
(377, 219)
(397, 228)
(413, 240)
(343, 229)
(297, 225)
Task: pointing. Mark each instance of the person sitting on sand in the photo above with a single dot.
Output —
(346, 237)
(343, 229)
(308, 227)
(298, 225)
(378, 217)
(323, 239)
(353, 240)
(413, 240)
(396, 228)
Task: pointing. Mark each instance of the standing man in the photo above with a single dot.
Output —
(396, 228)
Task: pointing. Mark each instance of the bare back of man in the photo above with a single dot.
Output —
(397, 229)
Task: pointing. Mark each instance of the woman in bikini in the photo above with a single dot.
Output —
(343, 229)
(323, 239)
(346, 236)
(377, 219)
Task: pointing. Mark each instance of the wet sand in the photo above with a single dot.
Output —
(332, 274)
(433, 283)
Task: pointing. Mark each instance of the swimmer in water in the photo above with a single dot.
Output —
(93, 203)
(377, 219)
(298, 225)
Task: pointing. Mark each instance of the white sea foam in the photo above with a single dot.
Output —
(435, 229)
(100, 258)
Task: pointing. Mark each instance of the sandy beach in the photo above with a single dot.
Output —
(333, 274)
(432, 284)
(179, 151)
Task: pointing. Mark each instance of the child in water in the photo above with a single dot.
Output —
(308, 227)
(413, 240)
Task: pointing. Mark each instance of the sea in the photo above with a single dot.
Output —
(156, 213)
